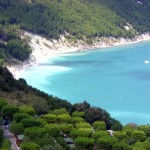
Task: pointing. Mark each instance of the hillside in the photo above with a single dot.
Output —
(18, 93)
(46, 122)
(83, 20)
(79, 18)
(35, 113)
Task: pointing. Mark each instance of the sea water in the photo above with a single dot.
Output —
(116, 79)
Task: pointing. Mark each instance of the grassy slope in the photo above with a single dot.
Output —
(19, 93)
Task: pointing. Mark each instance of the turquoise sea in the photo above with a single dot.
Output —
(116, 79)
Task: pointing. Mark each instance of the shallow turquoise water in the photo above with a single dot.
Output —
(116, 79)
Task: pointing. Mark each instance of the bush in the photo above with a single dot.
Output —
(141, 146)
(83, 125)
(121, 146)
(30, 146)
(19, 116)
(31, 122)
(2, 103)
(39, 136)
(98, 134)
(106, 142)
(64, 118)
(35, 132)
(116, 126)
(99, 125)
(50, 118)
(6, 145)
(18, 49)
(27, 109)
(145, 129)
(17, 128)
(60, 111)
(80, 132)
(120, 134)
(75, 120)
(63, 143)
(84, 143)
(9, 110)
(138, 135)
(78, 114)
(66, 128)
(53, 129)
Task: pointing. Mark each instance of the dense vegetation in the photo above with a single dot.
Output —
(80, 18)
(11, 45)
(17, 92)
(133, 12)
(54, 115)
(51, 18)
(44, 119)
(54, 130)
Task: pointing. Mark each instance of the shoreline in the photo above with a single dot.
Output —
(44, 49)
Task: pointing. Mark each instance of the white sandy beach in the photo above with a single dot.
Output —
(43, 49)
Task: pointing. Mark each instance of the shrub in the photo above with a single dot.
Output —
(121, 146)
(61, 142)
(27, 109)
(116, 126)
(19, 116)
(64, 118)
(81, 132)
(106, 142)
(78, 114)
(98, 134)
(145, 129)
(17, 128)
(50, 118)
(60, 111)
(141, 146)
(53, 129)
(120, 134)
(75, 120)
(2, 103)
(6, 145)
(30, 146)
(35, 132)
(8, 111)
(138, 135)
(31, 122)
(99, 125)
(66, 128)
(83, 125)
(84, 143)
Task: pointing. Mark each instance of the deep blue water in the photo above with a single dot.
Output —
(116, 79)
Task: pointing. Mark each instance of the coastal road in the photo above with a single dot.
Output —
(10, 136)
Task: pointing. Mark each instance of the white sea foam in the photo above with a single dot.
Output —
(57, 69)
(146, 61)
(48, 70)
(76, 53)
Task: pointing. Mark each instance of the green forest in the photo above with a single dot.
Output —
(49, 123)
(80, 18)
